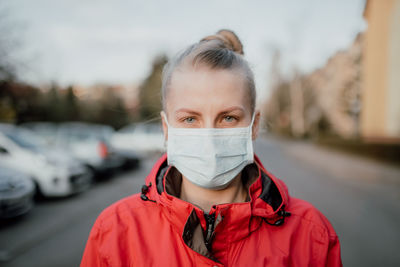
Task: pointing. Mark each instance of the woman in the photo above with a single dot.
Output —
(209, 201)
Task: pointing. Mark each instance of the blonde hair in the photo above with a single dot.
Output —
(221, 51)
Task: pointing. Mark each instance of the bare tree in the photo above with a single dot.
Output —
(10, 44)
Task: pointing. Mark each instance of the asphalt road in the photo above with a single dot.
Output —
(360, 197)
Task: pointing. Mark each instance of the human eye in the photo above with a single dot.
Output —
(189, 120)
(229, 119)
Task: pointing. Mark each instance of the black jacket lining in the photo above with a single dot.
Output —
(159, 177)
(193, 236)
(270, 192)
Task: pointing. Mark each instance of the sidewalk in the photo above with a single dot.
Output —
(339, 163)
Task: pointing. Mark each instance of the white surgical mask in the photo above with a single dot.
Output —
(210, 157)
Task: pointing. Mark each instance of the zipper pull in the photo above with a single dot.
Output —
(210, 223)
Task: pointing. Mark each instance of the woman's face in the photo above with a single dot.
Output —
(205, 98)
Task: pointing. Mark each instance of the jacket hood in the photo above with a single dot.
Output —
(207, 232)
(268, 194)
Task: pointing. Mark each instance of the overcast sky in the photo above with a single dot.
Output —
(90, 41)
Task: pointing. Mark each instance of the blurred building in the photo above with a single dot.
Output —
(380, 117)
(325, 102)
(356, 94)
(336, 88)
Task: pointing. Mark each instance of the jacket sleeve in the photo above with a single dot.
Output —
(326, 241)
(333, 258)
(92, 256)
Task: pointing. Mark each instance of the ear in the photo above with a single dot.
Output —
(256, 125)
(164, 125)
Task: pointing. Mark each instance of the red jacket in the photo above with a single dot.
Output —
(156, 228)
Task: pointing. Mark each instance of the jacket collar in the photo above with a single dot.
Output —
(268, 198)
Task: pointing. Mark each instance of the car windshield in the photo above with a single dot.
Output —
(87, 133)
(128, 129)
(151, 128)
(26, 139)
(47, 131)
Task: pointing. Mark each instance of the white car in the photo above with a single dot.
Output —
(89, 143)
(54, 173)
(141, 138)
(16, 193)
(46, 130)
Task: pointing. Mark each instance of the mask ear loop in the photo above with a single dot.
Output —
(164, 115)
(252, 119)
(251, 125)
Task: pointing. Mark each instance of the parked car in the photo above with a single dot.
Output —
(89, 143)
(16, 193)
(55, 173)
(46, 130)
(143, 138)
(131, 158)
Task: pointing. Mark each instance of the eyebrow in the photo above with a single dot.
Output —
(232, 109)
(186, 110)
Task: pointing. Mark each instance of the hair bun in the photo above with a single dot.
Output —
(229, 39)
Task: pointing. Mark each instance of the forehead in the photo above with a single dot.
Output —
(203, 88)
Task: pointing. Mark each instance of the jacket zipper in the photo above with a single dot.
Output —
(210, 223)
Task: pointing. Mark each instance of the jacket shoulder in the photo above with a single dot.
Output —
(112, 229)
(308, 222)
(309, 214)
(132, 205)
